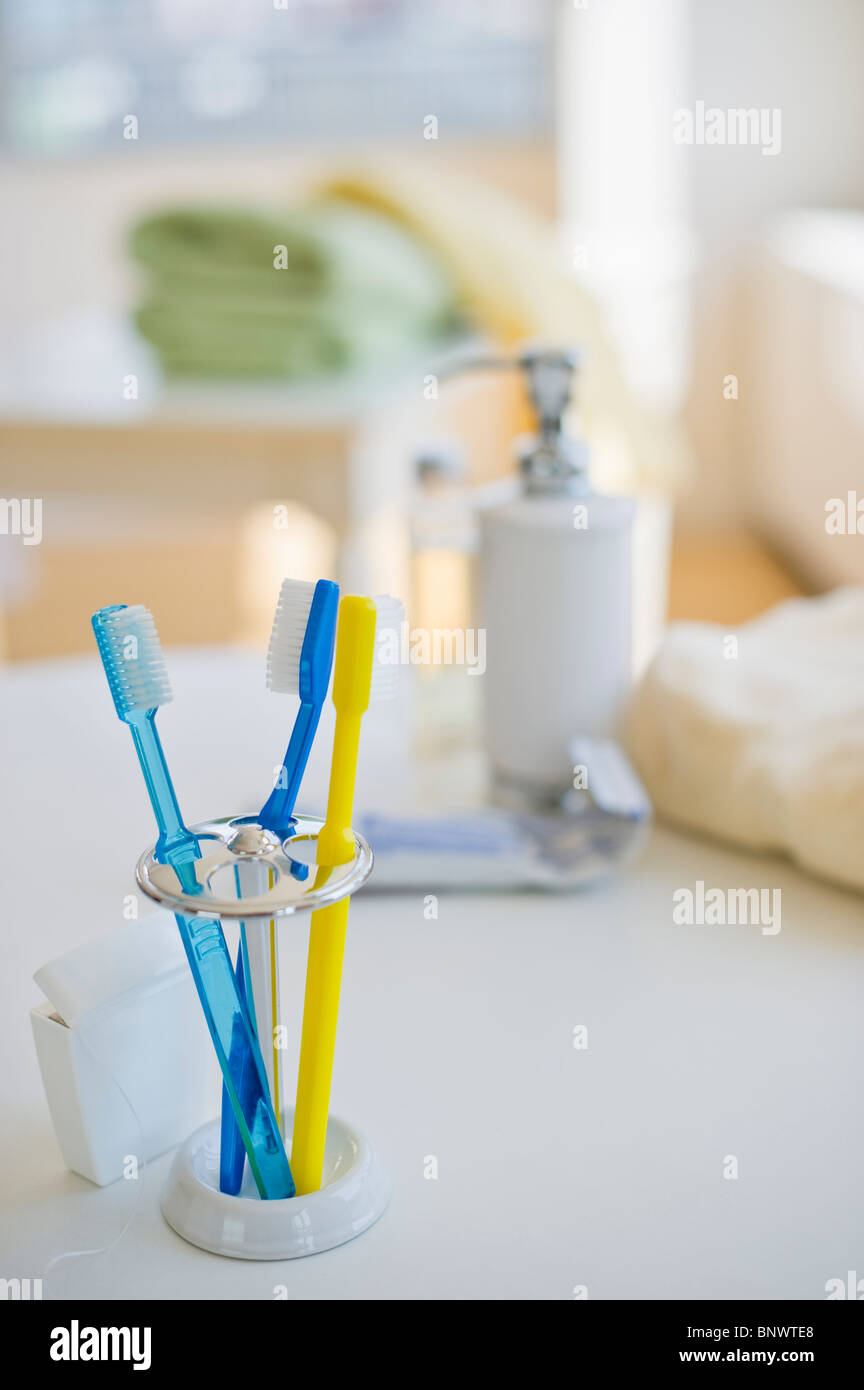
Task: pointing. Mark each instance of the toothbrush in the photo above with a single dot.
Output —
(358, 676)
(134, 665)
(299, 662)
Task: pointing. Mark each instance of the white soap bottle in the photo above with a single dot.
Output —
(554, 588)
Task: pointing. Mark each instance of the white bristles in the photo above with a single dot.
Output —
(133, 660)
(388, 647)
(286, 639)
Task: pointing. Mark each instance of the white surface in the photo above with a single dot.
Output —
(557, 1167)
(354, 1193)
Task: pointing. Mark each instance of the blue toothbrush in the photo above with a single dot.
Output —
(299, 662)
(134, 665)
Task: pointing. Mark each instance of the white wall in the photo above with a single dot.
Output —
(694, 212)
(806, 59)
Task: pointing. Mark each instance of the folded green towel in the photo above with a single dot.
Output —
(207, 339)
(219, 250)
(327, 288)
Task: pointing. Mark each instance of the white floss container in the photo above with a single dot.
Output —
(123, 1048)
(555, 595)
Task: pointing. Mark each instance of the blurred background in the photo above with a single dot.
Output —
(248, 245)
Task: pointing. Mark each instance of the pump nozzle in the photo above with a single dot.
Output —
(549, 381)
(549, 461)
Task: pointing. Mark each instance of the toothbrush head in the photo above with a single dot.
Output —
(389, 617)
(300, 655)
(132, 656)
(367, 652)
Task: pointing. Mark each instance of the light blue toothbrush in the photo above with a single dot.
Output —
(132, 657)
(299, 662)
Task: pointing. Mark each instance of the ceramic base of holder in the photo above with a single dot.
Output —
(355, 1193)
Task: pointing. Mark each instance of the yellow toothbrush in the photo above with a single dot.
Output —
(352, 687)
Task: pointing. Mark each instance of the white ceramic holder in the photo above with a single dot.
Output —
(354, 1193)
(355, 1188)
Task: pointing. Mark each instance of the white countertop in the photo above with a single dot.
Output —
(557, 1167)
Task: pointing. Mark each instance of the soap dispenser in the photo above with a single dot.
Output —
(554, 588)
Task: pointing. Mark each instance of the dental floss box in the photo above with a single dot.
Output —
(123, 1049)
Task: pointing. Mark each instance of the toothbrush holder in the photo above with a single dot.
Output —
(355, 1188)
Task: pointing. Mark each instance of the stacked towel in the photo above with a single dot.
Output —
(325, 288)
(756, 735)
(388, 258)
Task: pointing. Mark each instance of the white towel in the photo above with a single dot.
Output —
(756, 734)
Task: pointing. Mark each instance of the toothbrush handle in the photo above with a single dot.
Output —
(238, 1053)
(176, 845)
(257, 970)
(336, 840)
(324, 966)
(278, 809)
(232, 1155)
(226, 1013)
(318, 1043)
(262, 964)
(257, 976)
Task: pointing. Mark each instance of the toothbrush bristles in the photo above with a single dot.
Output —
(132, 656)
(388, 633)
(286, 639)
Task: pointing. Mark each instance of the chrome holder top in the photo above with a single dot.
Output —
(246, 872)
